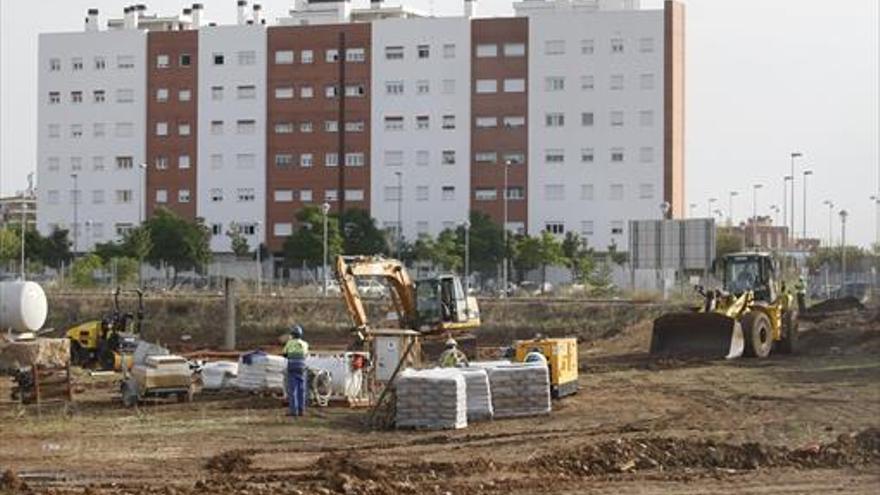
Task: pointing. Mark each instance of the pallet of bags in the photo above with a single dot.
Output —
(261, 372)
(519, 389)
(431, 399)
(217, 375)
(479, 394)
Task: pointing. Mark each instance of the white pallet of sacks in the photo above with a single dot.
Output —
(519, 390)
(479, 394)
(431, 399)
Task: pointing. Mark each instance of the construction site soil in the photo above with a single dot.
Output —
(806, 423)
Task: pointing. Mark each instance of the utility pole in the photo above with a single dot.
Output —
(795, 154)
(804, 231)
(325, 209)
(257, 231)
(399, 212)
(755, 213)
(730, 208)
(504, 230)
(467, 263)
(830, 205)
(843, 214)
(709, 207)
(340, 125)
(75, 198)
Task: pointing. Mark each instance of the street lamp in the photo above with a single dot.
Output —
(467, 264)
(794, 154)
(399, 212)
(843, 214)
(23, 230)
(830, 205)
(143, 199)
(75, 198)
(730, 207)
(755, 213)
(325, 209)
(507, 164)
(775, 209)
(785, 181)
(257, 231)
(691, 208)
(709, 207)
(876, 200)
(88, 224)
(804, 231)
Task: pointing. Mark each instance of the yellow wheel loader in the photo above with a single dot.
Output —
(752, 314)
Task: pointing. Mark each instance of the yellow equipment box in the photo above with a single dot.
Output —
(562, 360)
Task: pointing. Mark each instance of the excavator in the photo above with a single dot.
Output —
(752, 315)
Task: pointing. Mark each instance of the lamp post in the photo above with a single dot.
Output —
(507, 164)
(843, 214)
(257, 230)
(325, 209)
(23, 230)
(142, 201)
(730, 207)
(88, 225)
(467, 263)
(399, 211)
(830, 205)
(755, 213)
(75, 198)
(691, 208)
(794, 154)
(709, 207)
(804, 230)
(775, 210)
(785, 181)
(876, 200)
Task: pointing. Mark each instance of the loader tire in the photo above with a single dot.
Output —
(758, 334)
(790, 330)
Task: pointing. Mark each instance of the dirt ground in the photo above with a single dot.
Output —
(790, 424)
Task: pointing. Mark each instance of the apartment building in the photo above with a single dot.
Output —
(567, 117)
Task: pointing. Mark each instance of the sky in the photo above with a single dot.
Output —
(764, 78)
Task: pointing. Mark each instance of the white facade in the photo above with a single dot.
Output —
(421, 123)
(91, 117)
(232, 132)
(595, 122)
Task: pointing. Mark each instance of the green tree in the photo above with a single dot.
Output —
(486, 243)
(726, 242)
(306, 245)
(126, 269)
(53, 250)
(239, 242)
(137, 243)
(83, 269)
(526, 254)
(361, 235)
(181, 244)
(448, 251)
(578, 257)
(10, 245)
(550, 254)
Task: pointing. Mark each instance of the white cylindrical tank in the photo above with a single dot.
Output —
(23, 306)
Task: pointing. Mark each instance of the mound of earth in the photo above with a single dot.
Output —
(232, 461)
(846, 333)
(825, 308)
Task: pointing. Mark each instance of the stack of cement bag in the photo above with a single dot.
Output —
(431, 399)
(219, 374)
(261, 372)
(519, 389)
(479, 395)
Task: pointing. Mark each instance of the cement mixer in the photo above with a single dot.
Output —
(23, 306)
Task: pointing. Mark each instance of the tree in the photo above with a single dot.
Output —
(82, 270)
(239, 242)
(306, 245)
(137, 243)
(181, 244)
(726, 242)
(126, 269)
(10, 245)
(578, 257)
(361, 235)
(53, 250)
(550, 254)
(486, 243)
(527, 254)
(449, 250)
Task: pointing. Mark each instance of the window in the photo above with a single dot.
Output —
(248, 57)
(124, 95)
(124, 162)
(217, 93)
(355, 55)
(486, 51)
(514, 49)
(124, 129)
(54, 97)
(245, 160)
(554, 156)
(587, 47)
(330, 91)
(393, 158)
(53, 164)
(307, 56)
(616, 45)
(393, 123)
(284, 56)
(216, 195)
(185, 60)
(448, 157)
(554, 47)
(487, 86)
(123, 196)
(616, 118)
(514, 122)
(646, 45)
(77, 63)
(217, 127)
(306, 127)
(646, 81)
(183, 162)
(486, 122)
(161, 195)
(331, 195)
(554, 227)
(183, 196)
(283, 160)
(183, 129)
(283, 128)
(485, 194)
(284, 92)
(354, 194)
(283, 195)
(331, 126)
(393, 193)
(423, 158)
(646, 118)
(125, 62)
(514, 158)
(554, 192)
(587, 192)
(646, 154)
(331, 55)
(422, 228)
(219, 59)
(587, 227)
(587, 83)
(587, 119)
(161, 128)
(306, 92)
(246, 127)
(245, 194)
(355, 126)
(422, 193)
(617, 155)
(554, 84)
(516, 192)
(354, 159)
(246, 92)
(394, 53)
(54, 65)
(98, 163)
(448, 87)
(54, 130)
(282, 229)
(449, 50)
(646, 191)
(75, 164)
(449, 122)
(184, 95)
(162, 61)
(76, 96)
(162, 95)
(98, 196)
(555, 119)
(447, 193)
(423, 122)
(161, 162)
(486, 157)
(305, 160)
(617, 227)
(98, 129)
(514, 85)
(616, 193)
(305, 195)
(216, 161)
(423, 87)
(617, 81)
(331, 159)
(424, 51)
(216, 229)
(394, 87)
(587, 155)
(123, 229)
(355, 90)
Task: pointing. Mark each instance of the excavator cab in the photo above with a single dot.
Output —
(441, 300)
(750, 272)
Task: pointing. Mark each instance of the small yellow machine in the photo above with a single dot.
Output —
(99, 344)
(562, 361)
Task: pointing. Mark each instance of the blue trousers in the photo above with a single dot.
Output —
(296, 387)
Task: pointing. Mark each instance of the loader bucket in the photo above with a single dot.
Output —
(707, 335)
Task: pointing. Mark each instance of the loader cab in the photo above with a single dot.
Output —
(750, 271)
(440, 300)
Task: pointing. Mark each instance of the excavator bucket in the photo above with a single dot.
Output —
(707, 335)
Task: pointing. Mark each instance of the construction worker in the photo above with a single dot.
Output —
(452, 357)
(295, 350)
(800, 288)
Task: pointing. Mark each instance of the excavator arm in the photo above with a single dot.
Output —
(349, 268)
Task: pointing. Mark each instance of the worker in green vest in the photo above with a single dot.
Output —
(452, 357)
(295, 350)
(800, 288)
